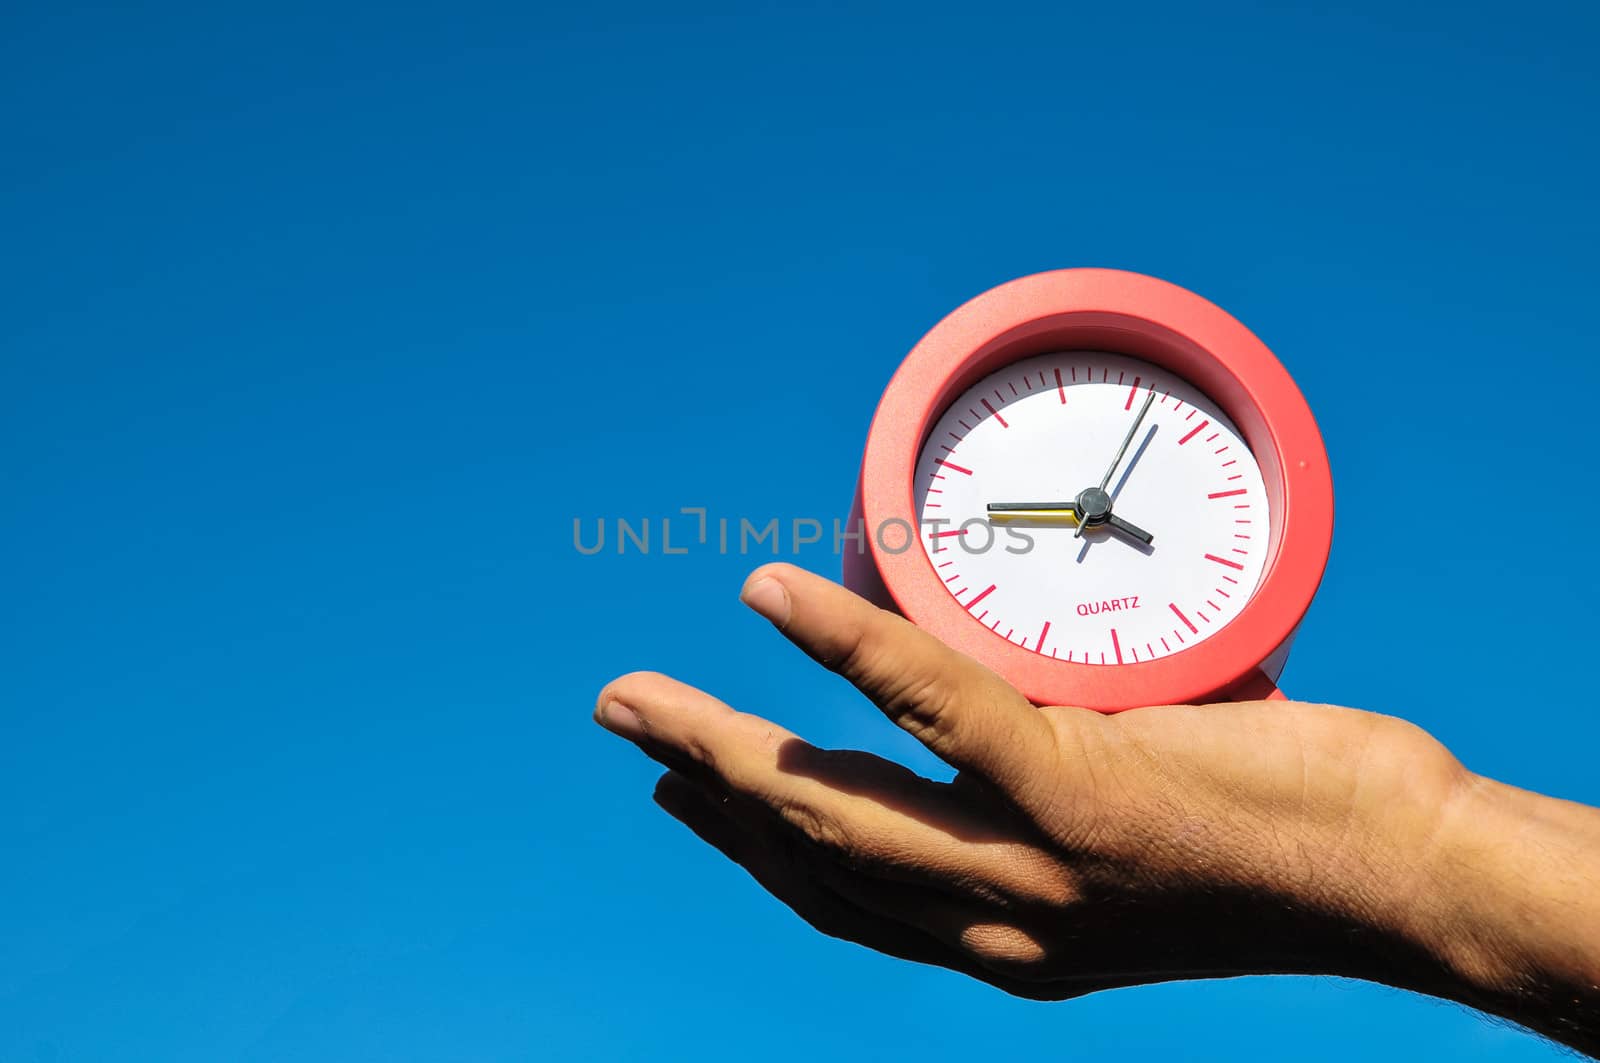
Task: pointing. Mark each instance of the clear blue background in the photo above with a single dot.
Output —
(319, 324)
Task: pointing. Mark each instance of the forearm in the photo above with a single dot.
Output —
(1378, 856)
(1510, 909)
(1404, 868)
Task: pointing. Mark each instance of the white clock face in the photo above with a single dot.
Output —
(1034, 436)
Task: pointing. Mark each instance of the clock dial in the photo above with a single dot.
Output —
(1092, 507)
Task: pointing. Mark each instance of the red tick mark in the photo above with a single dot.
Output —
(1186, 623)
(1225, 561)
(1193, 432)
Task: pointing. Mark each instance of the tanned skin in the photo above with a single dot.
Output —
(1076, 852)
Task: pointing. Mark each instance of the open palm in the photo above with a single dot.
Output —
(1073, 851)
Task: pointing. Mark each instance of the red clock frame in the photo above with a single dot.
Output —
(1126, 313)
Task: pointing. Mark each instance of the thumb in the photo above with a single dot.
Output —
(963, 712)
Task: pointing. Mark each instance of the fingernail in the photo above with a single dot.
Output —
(767, 597)
(621, 720)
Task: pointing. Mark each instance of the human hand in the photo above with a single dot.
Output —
(1073, 851)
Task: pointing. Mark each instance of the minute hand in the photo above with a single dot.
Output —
(1105, 499)
(1137, 421)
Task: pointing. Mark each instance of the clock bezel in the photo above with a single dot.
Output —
(1126, 313)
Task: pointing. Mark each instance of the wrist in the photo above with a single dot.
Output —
(1509, 908)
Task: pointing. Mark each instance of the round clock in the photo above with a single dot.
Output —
(1103, 487)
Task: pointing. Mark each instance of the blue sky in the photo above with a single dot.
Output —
(322, 323)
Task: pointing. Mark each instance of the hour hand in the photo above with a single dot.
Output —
(1127, 528)
(1032, 507)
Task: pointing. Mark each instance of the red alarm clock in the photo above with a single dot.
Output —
(1103, 487)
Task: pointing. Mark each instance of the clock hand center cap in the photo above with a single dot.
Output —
(1093, 505)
